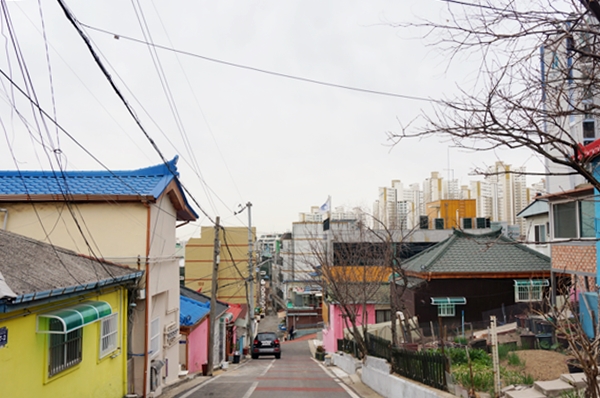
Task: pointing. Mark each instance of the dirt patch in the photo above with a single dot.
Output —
(542, 364)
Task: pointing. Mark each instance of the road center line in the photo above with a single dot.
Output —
(193, 390)
(267, 368)
(251, 390)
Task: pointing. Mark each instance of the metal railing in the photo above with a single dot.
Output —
(426, 367)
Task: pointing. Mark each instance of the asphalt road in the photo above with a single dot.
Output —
(295, 375)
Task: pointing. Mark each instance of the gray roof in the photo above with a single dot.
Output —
(36, 270)
(535, 208)
(466, 253)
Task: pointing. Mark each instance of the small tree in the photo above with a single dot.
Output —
(518, 103)
(354, 262)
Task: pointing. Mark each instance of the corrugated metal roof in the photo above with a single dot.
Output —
(535, 208)
(464, 253)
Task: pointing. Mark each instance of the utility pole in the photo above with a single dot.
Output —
(213, 298)
(250, 277)
(250, 280)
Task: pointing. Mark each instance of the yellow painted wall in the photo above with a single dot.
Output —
(199, 263)
(24, 360)
(113, 230)
(451, 210)
(358, 274)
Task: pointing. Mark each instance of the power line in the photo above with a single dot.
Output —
(117, 91)
(268, 72)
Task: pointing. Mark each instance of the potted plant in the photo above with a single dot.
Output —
(320, 353)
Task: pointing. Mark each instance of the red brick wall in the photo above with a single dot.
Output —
(575, 258)
(580, 258)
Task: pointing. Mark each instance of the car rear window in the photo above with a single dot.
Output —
(266, 336)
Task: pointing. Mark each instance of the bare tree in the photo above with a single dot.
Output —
(519, 102)
(568, 325)
(538, 89)
(354, 263)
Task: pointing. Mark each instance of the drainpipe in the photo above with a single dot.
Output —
(5, 211)
(147, 314)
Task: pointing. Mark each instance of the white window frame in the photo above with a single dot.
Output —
(109, 335)
(529, 291)
(446, 310)
(578, 223)
(155, 337)
(540, 232)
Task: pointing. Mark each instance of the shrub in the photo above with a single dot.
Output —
(504, 349)
(461, 340)
(458, 356)
(483, 377)
(513, 359)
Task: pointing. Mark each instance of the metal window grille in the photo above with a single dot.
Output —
(65, 349)
(529, 290)
(109, 333)
(155, 337)
(446, 310)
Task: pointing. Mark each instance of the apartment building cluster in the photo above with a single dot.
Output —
(498, 198)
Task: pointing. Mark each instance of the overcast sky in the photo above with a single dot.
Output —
(241, 135)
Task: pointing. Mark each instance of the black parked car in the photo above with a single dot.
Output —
(266, 343)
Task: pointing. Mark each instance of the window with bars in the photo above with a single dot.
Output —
(446, 310)
(155, 337)
(109, 333)
(65, 349)
(527, 291)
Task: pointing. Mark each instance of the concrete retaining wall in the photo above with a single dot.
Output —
(376, 375)
(346, 362)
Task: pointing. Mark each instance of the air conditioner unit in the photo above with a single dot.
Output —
(171, 334)
(155, 367)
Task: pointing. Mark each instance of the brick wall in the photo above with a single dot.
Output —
(581, 258)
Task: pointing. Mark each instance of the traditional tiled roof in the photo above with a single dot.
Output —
(142, 184)
(34, 270)
(463, 254)
(191, 311)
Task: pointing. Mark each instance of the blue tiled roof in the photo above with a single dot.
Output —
(145, 182)
(149, 181)
(191, 311)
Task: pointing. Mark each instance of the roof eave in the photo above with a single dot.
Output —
(481, 275)
(77, 198)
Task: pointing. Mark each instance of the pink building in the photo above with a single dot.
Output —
(194, 328)
(334, 327)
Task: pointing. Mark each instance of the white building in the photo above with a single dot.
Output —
(571, 102)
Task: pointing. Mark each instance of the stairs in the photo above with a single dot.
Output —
(551, 389)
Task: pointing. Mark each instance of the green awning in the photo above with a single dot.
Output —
(68, 319)
(448, 300)
(532, 282)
